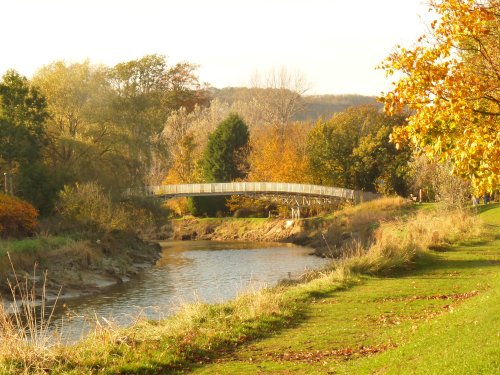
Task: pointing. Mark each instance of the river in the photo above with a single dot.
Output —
(187, 271)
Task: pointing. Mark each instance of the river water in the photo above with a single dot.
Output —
(187, 271)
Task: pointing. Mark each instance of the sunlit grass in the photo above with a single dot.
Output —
(199, 333)
(31, 245)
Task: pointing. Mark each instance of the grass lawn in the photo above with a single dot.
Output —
(443, 317)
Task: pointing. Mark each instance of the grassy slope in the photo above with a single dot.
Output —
(442, 318)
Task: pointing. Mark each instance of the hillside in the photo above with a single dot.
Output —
(315, 106)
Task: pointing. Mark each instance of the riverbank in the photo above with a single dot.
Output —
(337, 320)
(328, 236)
(73, 267)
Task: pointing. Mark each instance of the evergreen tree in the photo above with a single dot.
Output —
(224, 160)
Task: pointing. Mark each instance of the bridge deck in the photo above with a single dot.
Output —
(247, 188)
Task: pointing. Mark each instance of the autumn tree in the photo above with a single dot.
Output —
(147, 91)
(450, 82)
(279, 160)
(273, 159)
(85, 142)
(352, 150)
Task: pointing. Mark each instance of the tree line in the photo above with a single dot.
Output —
(146, 122)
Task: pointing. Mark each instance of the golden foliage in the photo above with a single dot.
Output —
(450, 81)
(279, 159)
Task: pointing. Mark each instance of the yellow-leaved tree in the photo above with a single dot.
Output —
(275, 157)
(450, 81)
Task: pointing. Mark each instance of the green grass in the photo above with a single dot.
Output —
(32, 245)
(441, 318)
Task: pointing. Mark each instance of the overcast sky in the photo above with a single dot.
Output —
(336, 44)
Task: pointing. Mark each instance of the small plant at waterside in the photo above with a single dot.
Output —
(26, 343)
(18, 218)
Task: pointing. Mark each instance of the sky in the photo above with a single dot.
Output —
(334, 44)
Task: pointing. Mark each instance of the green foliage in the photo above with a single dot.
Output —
(209, 206)
(89, 207)
(17, 217)
(224, 160)
(40, 185)
(23, 139)
(352, 150)
(22, 121)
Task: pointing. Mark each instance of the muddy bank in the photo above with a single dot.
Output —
(327, 236)
(78, 268)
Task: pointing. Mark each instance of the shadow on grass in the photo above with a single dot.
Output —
(485, 207)
(196, 357)
(430, 262)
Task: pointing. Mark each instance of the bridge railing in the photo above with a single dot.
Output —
(239, 188)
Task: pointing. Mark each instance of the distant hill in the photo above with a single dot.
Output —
(326, 105)
(315, 106)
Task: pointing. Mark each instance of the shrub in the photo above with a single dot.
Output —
(438, 183)
(17, 217)
(89, 207)
(144, 212)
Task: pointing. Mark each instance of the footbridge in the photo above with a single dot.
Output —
(297, 192)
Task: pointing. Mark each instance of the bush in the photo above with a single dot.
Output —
(144, 211)
(17, 217)
(87, 206)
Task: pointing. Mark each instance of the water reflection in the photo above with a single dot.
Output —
(189, 271)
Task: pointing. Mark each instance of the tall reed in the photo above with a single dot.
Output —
(27, 341)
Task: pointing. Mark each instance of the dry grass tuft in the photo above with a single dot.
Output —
(397, 244)
(26, 343)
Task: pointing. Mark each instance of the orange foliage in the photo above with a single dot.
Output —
(17, 217)
(279, 159)
(450, 82)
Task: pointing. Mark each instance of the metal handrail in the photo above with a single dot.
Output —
(242, 188)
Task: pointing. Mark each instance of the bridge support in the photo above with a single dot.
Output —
(296, 213)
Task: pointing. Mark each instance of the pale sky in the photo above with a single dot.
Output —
(335, 44)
